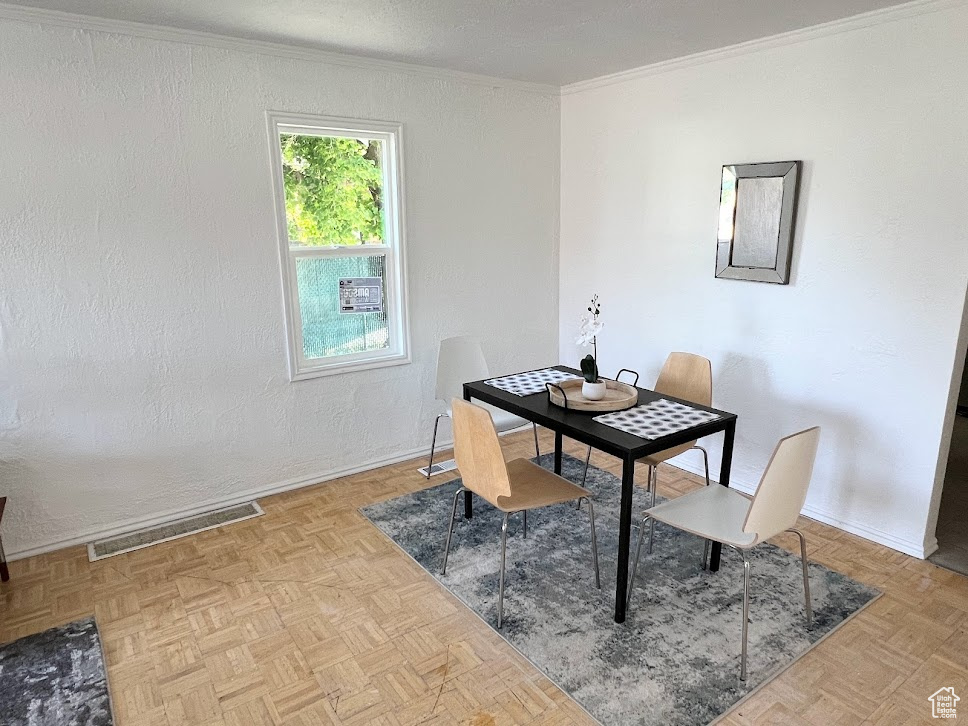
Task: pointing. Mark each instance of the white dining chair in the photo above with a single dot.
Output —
(724, 515)
(461, 359)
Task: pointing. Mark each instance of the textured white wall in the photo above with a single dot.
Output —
(863, 340)
(142, 348)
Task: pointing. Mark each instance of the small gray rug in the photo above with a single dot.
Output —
(55, 678)
(676, 658)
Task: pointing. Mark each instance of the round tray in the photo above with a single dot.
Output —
(618, 396)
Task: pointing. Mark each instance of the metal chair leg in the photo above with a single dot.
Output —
(450, 529)
(588, 458)
(705, 461)
(806, 574)
(584, 474)
(746, 613)
(654, 474)
(635, 562)
(433, 442)
(4, 572)
(525, 523)
(537, 450)
(504, 548)
(705, 466)
(591, 518)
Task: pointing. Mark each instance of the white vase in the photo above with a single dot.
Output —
(593, 391)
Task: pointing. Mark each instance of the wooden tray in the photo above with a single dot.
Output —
(618, 396)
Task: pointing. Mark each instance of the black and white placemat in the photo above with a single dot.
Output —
(655, 419)
(524, 384)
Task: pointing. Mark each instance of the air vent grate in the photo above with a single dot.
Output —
(173, 530)
(439, 467)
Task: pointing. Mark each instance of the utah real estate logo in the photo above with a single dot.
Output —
(944, 703)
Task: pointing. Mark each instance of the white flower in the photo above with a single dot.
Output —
(588, 329)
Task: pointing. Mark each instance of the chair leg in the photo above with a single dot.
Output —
(433, 443)
(746, 613)
(584, 474)
(525, 523)
(450, 529)
(4, 572)
(705, 461)
(635, 562)
(588, 458)
(806, 575)
(504, 549)
(537, 450)
(654, 474)
(591, 518)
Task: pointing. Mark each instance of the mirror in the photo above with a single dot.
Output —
(757, 217)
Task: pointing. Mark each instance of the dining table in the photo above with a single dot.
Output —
(580, 426)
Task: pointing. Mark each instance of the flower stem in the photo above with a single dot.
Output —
(595, 354)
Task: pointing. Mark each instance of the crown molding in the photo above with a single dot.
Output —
(834, 27)
(163, 33)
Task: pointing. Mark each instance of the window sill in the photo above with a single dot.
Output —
(331, 369)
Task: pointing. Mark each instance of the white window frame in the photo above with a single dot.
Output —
(392, 249)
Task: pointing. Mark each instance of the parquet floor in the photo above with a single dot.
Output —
(309, 615)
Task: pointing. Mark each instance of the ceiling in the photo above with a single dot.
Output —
(545, 41)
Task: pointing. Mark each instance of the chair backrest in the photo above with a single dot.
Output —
(783, 488)
(478, 452)
(459, 360)
(687, 376)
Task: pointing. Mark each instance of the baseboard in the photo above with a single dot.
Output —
(129, 525)
(921, 550)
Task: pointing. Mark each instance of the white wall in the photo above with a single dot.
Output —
(142, 348)
(863, 340)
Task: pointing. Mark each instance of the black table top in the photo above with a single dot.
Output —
(579, 425)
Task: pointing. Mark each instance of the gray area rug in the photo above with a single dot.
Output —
(676, 658)
(55, 678)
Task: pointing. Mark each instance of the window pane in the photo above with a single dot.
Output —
(334, 190)
(326, 331)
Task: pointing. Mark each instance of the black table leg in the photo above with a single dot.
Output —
(724, 468)
(624, 540)
(558, 452)
(468, 496)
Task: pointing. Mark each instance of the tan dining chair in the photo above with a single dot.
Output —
(461, 359)
(512, 486)
(724, 515)
(687, 376)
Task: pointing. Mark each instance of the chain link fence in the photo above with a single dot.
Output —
(326, 331)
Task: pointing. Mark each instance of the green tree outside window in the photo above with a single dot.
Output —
(333, 190)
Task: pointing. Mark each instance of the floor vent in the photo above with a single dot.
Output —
(173, 530)
(439, 467)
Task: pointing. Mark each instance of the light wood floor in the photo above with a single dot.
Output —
(309, 615)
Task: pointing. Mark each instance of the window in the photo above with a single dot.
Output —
(340, 223)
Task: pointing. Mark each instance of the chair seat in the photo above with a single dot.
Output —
(503, 421)
(534, 487)
(713, 512)
(658, 458)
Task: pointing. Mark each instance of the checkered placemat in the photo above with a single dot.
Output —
(659, 418)
(524, 384)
